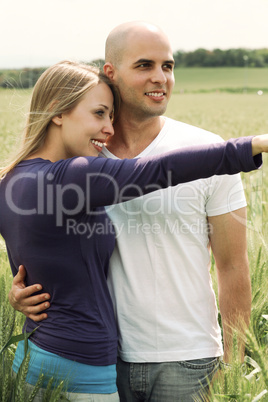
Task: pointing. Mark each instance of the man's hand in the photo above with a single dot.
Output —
(21, 299)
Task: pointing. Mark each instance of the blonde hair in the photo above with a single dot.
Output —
(57, 91)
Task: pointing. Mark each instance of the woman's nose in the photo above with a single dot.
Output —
(108, 128)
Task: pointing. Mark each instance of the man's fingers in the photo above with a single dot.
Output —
(29, 291)
(25, 300)
(22, 298)
(20, 277)
(38, 317)
(33, 301)
(33, 312)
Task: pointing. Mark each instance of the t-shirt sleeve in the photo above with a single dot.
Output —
(226, 194)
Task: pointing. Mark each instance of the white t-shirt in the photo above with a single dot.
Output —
(159, 272)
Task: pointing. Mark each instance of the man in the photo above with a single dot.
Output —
(169, 337)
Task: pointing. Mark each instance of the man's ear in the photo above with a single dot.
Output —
(57, 120)
(109, 70)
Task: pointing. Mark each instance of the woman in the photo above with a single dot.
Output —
(52, 199)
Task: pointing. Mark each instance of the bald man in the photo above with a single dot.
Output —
(169, 337)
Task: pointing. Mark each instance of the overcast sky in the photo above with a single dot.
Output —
(43, 32)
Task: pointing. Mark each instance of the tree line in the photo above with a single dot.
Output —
(27, 77)
(20, 78)
(222, 58)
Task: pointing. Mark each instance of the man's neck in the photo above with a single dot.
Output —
(133, 136)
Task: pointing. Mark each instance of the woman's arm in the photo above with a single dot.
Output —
(108, 181)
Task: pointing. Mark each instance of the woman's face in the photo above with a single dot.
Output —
(85, 128)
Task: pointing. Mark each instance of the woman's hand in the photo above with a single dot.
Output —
(259, 144)
(21, 299)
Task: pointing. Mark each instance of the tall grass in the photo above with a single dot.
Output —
(13, 389)
(229, 116)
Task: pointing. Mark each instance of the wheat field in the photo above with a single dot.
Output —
(226, 114)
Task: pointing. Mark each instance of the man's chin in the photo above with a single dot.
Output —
(156, 110)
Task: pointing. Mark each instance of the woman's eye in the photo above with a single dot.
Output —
(100, 113)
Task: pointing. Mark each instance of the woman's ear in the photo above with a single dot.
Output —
(57, 120)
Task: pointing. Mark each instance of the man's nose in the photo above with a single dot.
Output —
(159, 76)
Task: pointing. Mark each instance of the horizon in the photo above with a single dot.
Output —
(179, 50)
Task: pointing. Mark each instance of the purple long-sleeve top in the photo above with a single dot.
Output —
(53, 220)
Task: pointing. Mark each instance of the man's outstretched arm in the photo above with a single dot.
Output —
(21, 297)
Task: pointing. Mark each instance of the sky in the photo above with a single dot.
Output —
(38, 33)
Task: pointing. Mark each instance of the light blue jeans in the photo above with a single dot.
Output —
(183, 381)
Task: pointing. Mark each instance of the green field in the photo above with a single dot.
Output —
(230, 115)
(198, 99)
(231, 79)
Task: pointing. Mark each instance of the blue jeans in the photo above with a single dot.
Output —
(183, 381)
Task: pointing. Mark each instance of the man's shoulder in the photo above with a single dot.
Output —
(187, 134)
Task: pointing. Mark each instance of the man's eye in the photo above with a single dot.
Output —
(168, 66)
(144, 65)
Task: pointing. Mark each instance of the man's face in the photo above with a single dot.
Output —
(145, 75)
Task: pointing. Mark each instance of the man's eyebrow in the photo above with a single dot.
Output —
(153, 61)
(170, 62)
(143, 61)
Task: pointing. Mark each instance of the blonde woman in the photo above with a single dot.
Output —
(53, 220)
